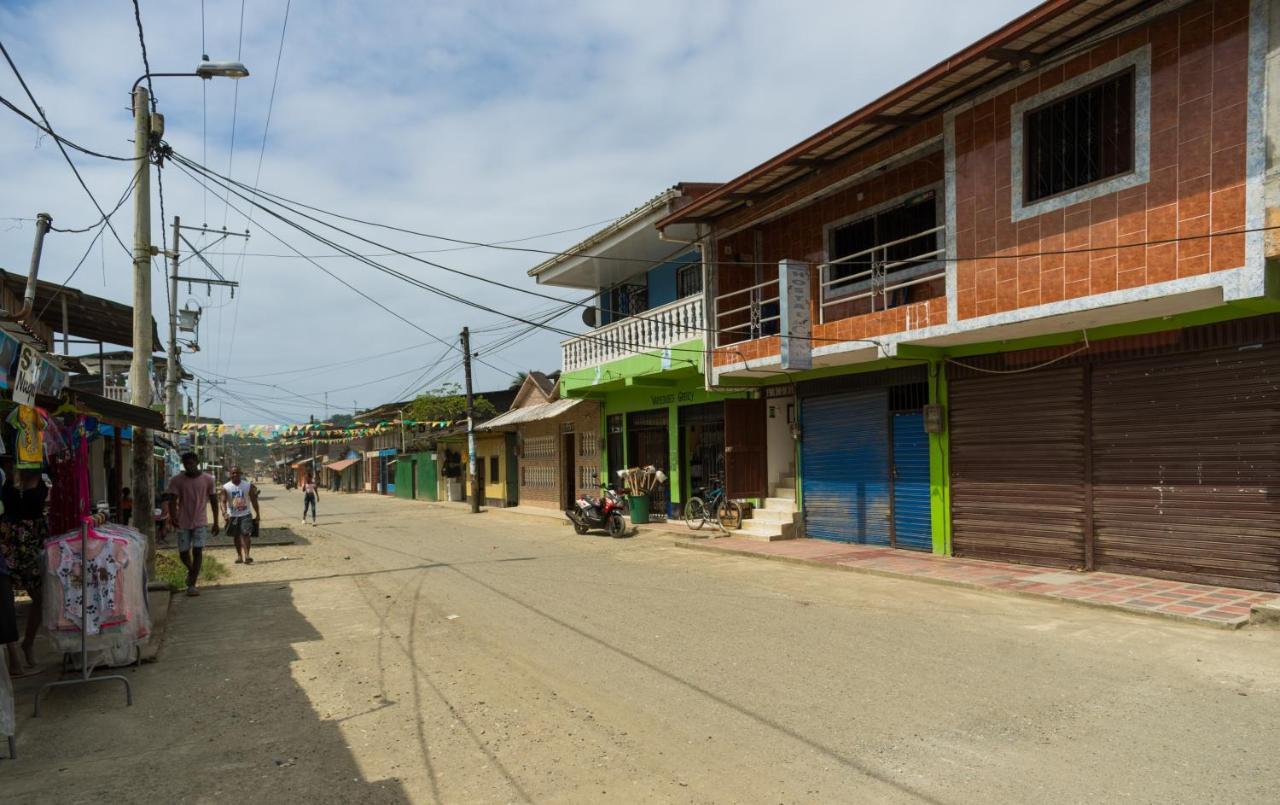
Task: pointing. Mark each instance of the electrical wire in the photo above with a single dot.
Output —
(257, 178)
(361, 293)
(217, 179)
(58, 137)
(101, 228)
(58, 141)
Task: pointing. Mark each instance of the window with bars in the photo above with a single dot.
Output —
(588, 478)
(688, 280)
(539, 447)
(1080, 139)
(588, 445)
(889, 226)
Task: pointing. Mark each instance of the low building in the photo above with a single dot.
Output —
(557, 443)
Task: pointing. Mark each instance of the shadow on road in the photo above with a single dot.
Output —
(220, 717)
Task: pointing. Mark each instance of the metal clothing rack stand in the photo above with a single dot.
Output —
(86, 673)
(13, 740)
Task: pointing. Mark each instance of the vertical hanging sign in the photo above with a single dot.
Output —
(795, 314)
(27, 378)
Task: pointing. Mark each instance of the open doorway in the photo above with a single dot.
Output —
(568, 472)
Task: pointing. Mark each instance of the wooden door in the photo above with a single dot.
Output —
(746, 465)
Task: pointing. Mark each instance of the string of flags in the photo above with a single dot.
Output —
(318, 431)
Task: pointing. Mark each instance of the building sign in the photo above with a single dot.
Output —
(27, 379)
(796, 315)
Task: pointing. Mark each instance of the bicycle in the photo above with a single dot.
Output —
(715, 508)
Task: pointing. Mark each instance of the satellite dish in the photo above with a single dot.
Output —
(589, 316)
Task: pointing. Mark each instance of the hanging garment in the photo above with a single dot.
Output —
(30, 427)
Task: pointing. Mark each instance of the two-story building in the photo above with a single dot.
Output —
(1023, 301)
(644, 356)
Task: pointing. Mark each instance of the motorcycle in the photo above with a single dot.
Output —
(604, 512)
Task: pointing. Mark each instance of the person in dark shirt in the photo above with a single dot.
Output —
(126, 507)
(23, 530)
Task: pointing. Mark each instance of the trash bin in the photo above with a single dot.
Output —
(639, 509)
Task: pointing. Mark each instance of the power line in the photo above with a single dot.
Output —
(411, 280)
(70, 143)
(492, 244)
(101, 228)
(58, 141)
(369, 298)
(257, 178)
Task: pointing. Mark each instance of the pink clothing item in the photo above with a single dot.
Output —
(192, 498)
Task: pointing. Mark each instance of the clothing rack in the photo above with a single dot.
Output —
(86, 672)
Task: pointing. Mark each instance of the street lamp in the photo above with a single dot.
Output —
(147, 127)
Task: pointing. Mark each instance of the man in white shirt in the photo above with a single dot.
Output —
(240, 505)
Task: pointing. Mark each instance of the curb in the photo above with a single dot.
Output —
(1234, 625)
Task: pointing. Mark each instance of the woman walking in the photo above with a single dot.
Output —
(310, 494)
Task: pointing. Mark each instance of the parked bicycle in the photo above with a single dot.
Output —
(713, 507)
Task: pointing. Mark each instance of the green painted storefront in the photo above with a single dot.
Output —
(421, 466)
(657, 383)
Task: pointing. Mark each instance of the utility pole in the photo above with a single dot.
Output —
(471, 424)
(172, 374)
(140, 366)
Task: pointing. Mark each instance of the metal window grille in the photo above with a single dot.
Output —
(1080, 139)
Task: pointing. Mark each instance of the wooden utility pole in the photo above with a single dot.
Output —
(140, 366)
(471, 424)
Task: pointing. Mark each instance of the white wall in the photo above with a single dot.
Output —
(780, 444)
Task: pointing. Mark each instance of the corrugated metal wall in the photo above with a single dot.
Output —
(1017, 467)
(912, 523)
(845, 467)
(1186, 466)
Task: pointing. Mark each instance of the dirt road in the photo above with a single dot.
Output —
(414, 653)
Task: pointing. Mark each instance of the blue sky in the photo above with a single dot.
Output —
(483, 120)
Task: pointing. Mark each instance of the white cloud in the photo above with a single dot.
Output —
(483, 121)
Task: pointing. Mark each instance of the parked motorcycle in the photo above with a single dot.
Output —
(604, 512)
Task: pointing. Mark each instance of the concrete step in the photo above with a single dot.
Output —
(772, 516)
(787, 482)
(787, 493)
(782, 502)
(766, 532)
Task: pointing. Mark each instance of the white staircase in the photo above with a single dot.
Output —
(777, 519)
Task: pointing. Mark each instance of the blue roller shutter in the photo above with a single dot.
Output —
(912, 524)
(844, 467)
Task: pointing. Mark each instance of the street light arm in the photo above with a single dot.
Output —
(145, 76)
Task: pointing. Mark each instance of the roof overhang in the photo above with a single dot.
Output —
(626, 248)
(89, 317)
(1021, 45)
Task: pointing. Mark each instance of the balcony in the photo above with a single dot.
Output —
(117, 393)
(889, 288)
(673, 323)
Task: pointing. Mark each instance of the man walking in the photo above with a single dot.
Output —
(191, 489)
(310, 495)
(238, 496)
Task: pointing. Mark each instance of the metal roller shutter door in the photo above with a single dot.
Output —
(1186, 460)
(844, 467)
(912, 521)
(1018, 467)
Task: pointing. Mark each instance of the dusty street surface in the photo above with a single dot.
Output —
(412, 653)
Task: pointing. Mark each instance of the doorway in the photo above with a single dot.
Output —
(413, 479)
(568, 471)
(480, 462)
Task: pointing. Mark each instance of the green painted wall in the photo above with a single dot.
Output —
(681, 361)
(675, 393)
(940, 465)
(426, 476)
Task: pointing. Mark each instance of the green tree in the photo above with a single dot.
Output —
(447, 404)
(341, 420)
(518, 380)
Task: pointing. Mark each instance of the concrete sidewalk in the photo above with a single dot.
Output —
(1223, 607)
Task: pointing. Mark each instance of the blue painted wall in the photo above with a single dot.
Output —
(660, 281)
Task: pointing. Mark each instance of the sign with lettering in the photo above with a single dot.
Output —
(27, 379)
(795, 314)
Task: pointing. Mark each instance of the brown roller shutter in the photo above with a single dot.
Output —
(1186, 466)
(1018, 467)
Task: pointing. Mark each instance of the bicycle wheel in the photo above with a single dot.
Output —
(695, 513)
(729, 513)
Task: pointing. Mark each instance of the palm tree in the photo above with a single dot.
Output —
(518, 380)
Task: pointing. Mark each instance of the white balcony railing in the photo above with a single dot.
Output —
(681, 320)
(117, 393)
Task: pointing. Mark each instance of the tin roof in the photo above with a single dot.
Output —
(1024, 43)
